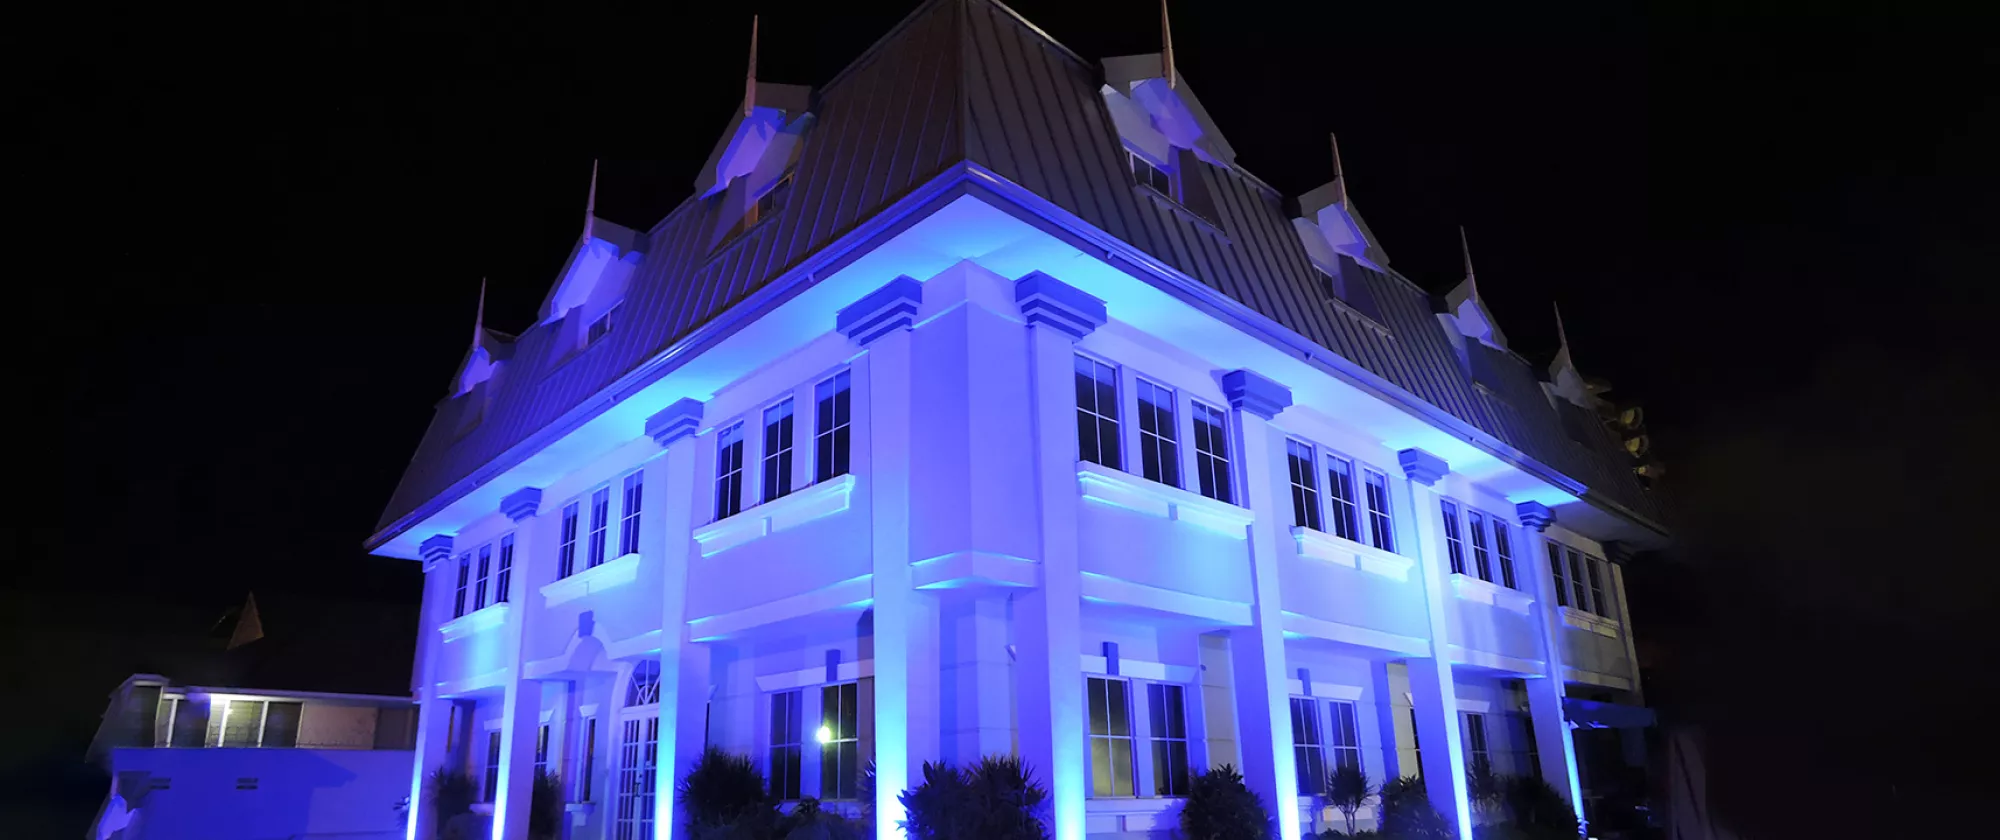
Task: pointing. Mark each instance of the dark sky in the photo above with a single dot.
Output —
(265, 234)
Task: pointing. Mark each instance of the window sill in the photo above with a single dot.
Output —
(1479, 591)
(1587, 621)
(477, 621)
(1354, 555)
(1134, 804)
(1102, 484)
(610, 575)
(819, 500)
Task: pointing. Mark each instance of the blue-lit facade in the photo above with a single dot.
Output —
(978, 402)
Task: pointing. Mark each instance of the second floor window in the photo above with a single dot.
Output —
(1482, 560)
(1381, 528)
(778, 450)
(1454, 539)
(566, 547)
(479, 581)
(1340, 497)
(503, 580)
(1211, 452)
(1503, 550)
(634, 493)
(1556, 574)
(1097, 413)
(1110, 738)
(1148, 174)
(1159, 445)
(1578, 587)
(1594, 569)
(786, 744)
(830, 427)
(464, 577)
(602, 326)
(1305, 485)
(600, 524)
(729, 472)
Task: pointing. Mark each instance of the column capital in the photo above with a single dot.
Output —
(1047, 301)
(1422, 467)
(1534, 515)
(522, 503)
(881, 312)
(680, 420)
(1253, 392)
(435, 550)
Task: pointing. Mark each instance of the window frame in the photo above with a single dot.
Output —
(1160, 711)
(1478, 742)
(1110, 736)
(1454, 534)
(729, 446)
(490, 780)
(631, 501)
(786, 738)
(1306, 510)
(1311, 778)
(833, 439)
(1343, 506)
(608, 319)
(503, 572)
(1213, 478)
(480, 580)
(598, 538)
(566, 539)
(775, 465)
(1164, 447)
(1503, 551)
(1382, 518)
(1098, 421)
(1166, 172)
(464, 581)
(845, 786)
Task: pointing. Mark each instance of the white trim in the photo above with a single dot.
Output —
(547, 717)
(1477, 591)
(1101, 587)
(1324, 690)
(607, 575)
(645, 644)
(1461, 655)
(586, 710)
(845, 672)
(493, 724)
(1139, 669)
(1592, 622)
(1117, 488)
(796, 508)
(853, 591)
(1597, 679)
(1483, 707)
(968, 568)
(1320, 545)
(1369, 637)
(477, 621)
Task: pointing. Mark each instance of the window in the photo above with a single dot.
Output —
(839, 740)
(586, 785)
(541, 750)
(1211, 452)
(638, 760)
(1159, 178)
(786, 744)
(1381, 529)
(1159, 443)
(600, 520)
(1340, 497)
(566, 551)
(778, 450)
(1305, 485)
(1308, 756)
(644, 688)
(464, 574)
(1556, 572)
(603, 325)
(1454, 539)
(1166, 707)
(1097, 413)
(492, 788)
(503, 580)
(1503, 548)
(1578, 587)
(1477, 758)
(634, 495)
(1416, 744)
(479, 581)
(729, 472)
(1110, 738)
(830, 427)
(1482, 560)
(1534, 749)
(1594, 567)
(1345, 743)
(773, 199)
(255, 723)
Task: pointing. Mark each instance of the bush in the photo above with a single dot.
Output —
(995, 799)
(1220, 807)
(451, 792)
(1537, 808)
(1348, 790)
(1407, 813)
(545, 808)
(726, 797)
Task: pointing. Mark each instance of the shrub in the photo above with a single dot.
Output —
(995, 799)
(726, 797)
(1220, 807)
(1348, 790)
(545, 807)
(1483, 787)
(452, 792)
(1407, 813)
(1537, 808)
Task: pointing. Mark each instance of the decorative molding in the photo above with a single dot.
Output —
(1320, 628)
(1117, 488)
(1479, 707)
(644, 644)
(1250, 391)
(1462, 655)
(1105, 588)
(1589, 621)
(1050, 302)
(851, 592)
(807, 677)
(1422, 467)
(1354, 555)
(961, 569)
(609, 575)
(1534, 515)
(1597, 678)
(522, 503)
(677, 421)
(435, 550)
(1324, 690)
(1479, 591)
(814, 502)
(477, 621)
(885, 310)
(1141, 670)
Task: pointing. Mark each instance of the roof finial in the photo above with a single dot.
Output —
(1339, 177)
(1167, 51)
(1562, 335)
(589, 210)
(1469, 281)
(750, 78)
(479, 318)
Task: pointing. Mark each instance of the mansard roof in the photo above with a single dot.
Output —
(964, 90)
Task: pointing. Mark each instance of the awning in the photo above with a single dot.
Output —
(1591, 714)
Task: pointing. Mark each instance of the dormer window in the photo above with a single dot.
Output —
(603, 325)
(767, 204)
(1147, 174)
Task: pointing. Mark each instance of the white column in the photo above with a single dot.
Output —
(1048, 620)
(1257, 652)
(1553, 746)
(1432, 692)
(521, 698)
(666, 525)
(434, 716)
(888, 481)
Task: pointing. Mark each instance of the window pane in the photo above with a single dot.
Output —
(1121, 722)
(281, 724)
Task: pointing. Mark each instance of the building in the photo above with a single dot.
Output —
(978, 402)
(223, 763)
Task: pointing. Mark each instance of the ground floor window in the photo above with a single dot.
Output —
(1308, 756)
(839, 739)
(1110, 737)
(638, 758)
(1477, 757)
(1166, 707)
(492, 788)
(786, 744)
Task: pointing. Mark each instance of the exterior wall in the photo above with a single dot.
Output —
(331, 726)
(295, 792)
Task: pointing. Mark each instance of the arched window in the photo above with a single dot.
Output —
(644, 690)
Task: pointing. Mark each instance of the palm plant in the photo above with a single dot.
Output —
(996, 799)
(545, 806)
(1220, 807)
(1348, 790)
(452, 792)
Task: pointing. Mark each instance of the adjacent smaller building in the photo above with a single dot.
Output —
(224, 763)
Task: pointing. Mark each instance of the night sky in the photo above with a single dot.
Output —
(255, 245)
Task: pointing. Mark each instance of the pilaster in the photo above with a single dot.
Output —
(1546, 694)
(521, 698)
(1432, 692)
(668, 511)
(434, 716)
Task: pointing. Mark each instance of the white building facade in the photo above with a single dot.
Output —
(837, 465)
